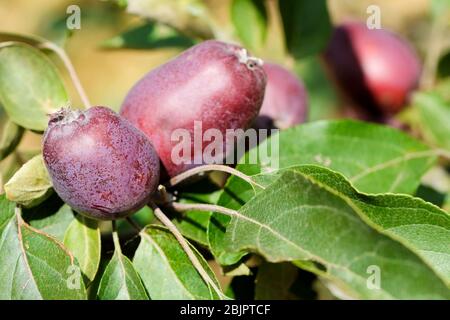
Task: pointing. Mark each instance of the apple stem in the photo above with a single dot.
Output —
(115, 237)
(70, 68)
(186, 247)
(211, 167)
(250, 61)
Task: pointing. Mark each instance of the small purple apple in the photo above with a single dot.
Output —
(99, 164)
(285, 101)
(215, 83)
(375, 68)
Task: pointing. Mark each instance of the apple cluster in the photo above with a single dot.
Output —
(107, 165)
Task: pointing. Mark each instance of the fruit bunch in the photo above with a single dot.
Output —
(107, 166)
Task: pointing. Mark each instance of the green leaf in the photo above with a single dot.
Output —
(149, 36)
(166, 270)
(434, 113)
(424, 232)
(52, 221)
(30, 86)
(420, 226)
(375, 158)
(33, 265)
(234, 195)
(344, 146)
(6, 211)
(31, 185)
(10, 135)
(94, 285)
(193, 224)
(250, 21)
(8, 167)
(82, 238)
(120, 281)
(274, 280)
(307, 26)
(298, 218)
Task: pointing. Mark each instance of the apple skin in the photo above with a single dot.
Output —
(376, 69)
(213, 82)
(100, 165)
(285, 101)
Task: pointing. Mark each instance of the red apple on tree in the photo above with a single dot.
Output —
(99, 164)
(213, 83)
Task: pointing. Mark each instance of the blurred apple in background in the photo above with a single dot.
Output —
(285, 100)
(375, 68)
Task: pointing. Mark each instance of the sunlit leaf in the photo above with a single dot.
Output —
(166, 270)
(30, 86)
(31, 184)
(82, 239)
(34, 265)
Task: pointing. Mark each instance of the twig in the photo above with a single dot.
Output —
(69, 66)
(115, 237)
(211, 167)
(134, 224)
(186, 247)
(8, 44)
(443, 153)
(204, 207)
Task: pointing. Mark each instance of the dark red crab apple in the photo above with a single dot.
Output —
(215, 83)
(99, 164)
(285, 100)
(376, 68)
